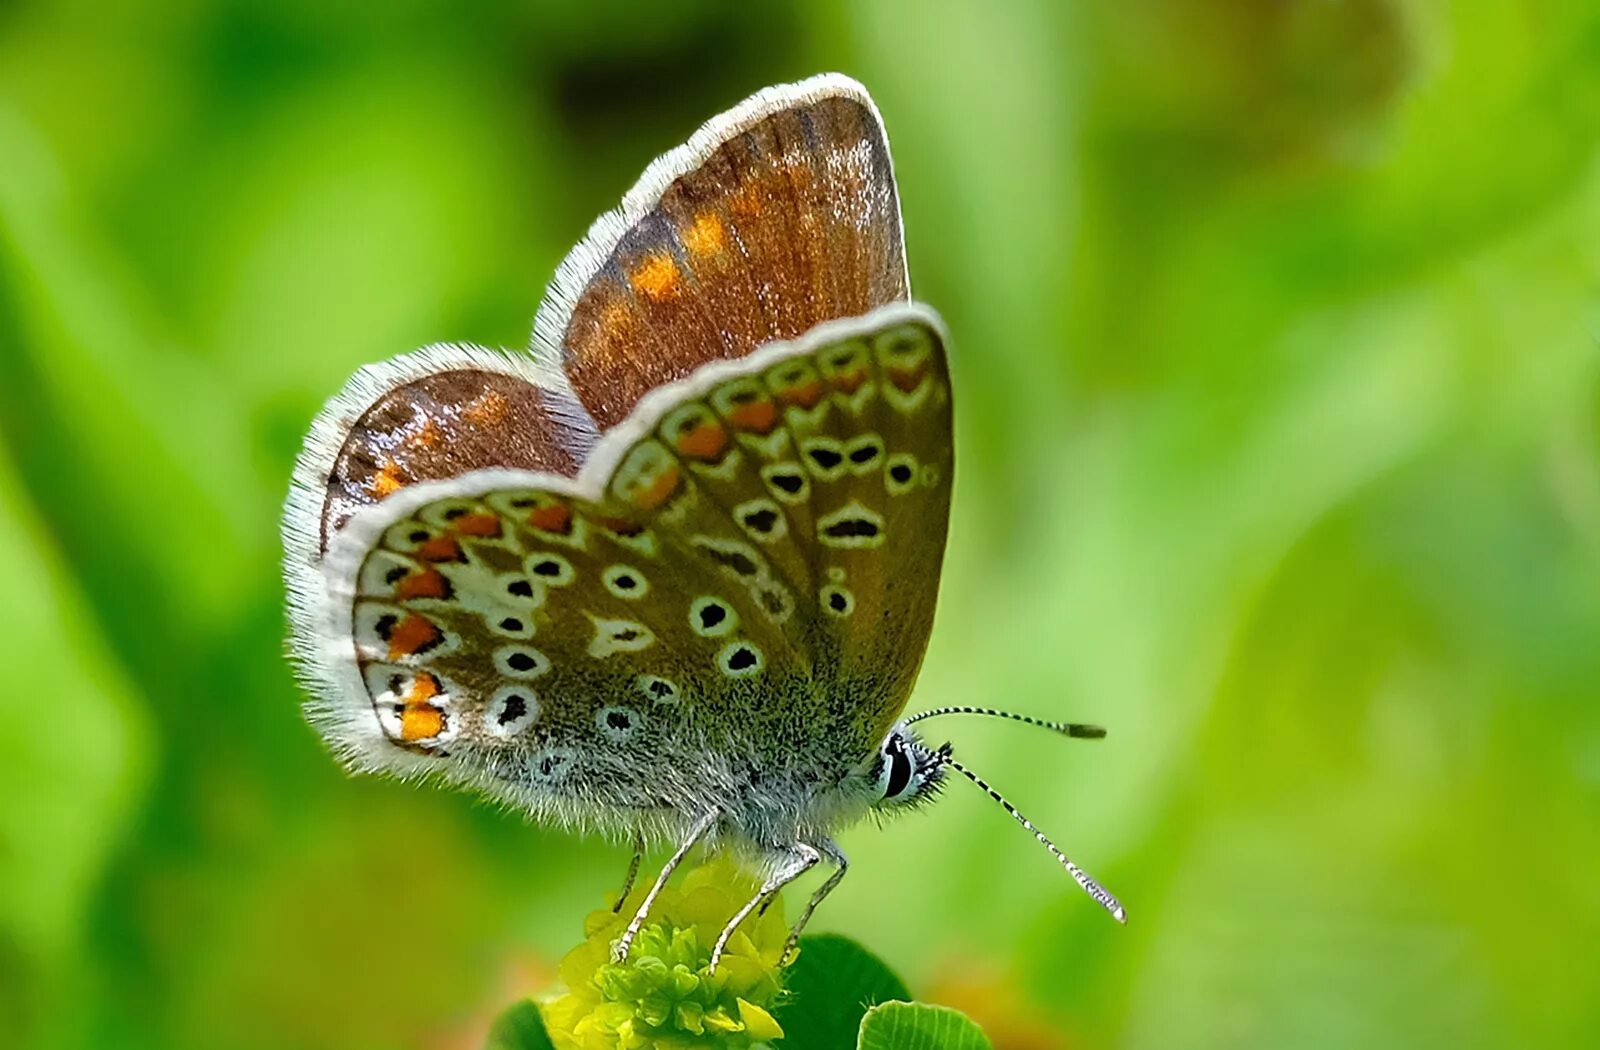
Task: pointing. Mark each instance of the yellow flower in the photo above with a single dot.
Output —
(664, 996)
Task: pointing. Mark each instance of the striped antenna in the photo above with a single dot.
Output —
(1081, 877)
(1080, 730)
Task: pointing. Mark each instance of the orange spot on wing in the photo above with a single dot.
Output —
(656, 277)
(414, 634)
(705, 441)
(440, 548)
(908, 379)
(746, 204)
(421, 722)
(481, 524)
(429, 583)
(388, 480)
(487, 409)
(706, 236)
(424, 687)
(553, 518)
(806, 395)
(426, 436)
(758, 416)
(657, 492)
(850, 382)
(621, 526)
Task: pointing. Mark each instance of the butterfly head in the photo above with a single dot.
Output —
(906, 771)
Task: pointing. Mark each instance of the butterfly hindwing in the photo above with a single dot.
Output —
(436, 413)
(706, 575)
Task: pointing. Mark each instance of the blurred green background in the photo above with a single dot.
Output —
(1279, 418)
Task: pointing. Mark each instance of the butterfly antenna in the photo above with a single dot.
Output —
(1080, 730)
(1081, 877)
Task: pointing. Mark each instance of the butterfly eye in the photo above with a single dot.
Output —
(896, 774)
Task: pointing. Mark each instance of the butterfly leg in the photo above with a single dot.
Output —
(831, 849)
(794, 861)
(633, 873)
(619, 953)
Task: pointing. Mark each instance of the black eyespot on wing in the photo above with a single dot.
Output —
(837, 601)
(712, 614)
(762, 520)
(511, 623)
(396, 574)
(618, 720)
(901, 473)
(738, 561)
(419, 536)
(851, 527)
(513, 708)
(521, 662)
(825, 458)
(454, 512)
(864, 454)
(521, 588)
(741, 659)
(790, 483)
(627, 634)
(660, 688)
(547, 568)
(624, 582)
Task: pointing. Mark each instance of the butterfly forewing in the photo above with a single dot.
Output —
(755, 560)
(772, 219)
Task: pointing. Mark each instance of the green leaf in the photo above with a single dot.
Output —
(833, 983)
(519, 1028)
(915, 1026)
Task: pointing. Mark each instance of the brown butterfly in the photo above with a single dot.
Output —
(671, 576)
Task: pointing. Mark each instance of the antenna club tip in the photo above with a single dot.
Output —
(1120, 914)
(1087, 732)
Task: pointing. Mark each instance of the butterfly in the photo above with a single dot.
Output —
(671, 575)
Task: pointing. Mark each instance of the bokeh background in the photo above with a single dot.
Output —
(1275, 333)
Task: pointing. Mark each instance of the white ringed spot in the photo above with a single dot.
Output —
(836, 600)
(510, 623)
(521, 661)
(824, 457)
(550, 569)
(519, 589)
(852, 526)
(511, 709)
(618, 636)
(619, 724)
(552, 765)
(741, 659)
(864, 453)
(657, 689)
(762, 519)
(712, 617)
(900, 473)
(787, 481)
(625, 582)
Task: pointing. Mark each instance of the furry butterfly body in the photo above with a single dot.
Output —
(671, 575)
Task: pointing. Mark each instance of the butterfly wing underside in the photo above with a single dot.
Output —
(750, 560)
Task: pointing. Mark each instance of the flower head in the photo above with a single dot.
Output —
(664, 995)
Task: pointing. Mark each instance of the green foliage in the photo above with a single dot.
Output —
(519, 1028)
(1276, 387)
(831, 985)
(915, 1026)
